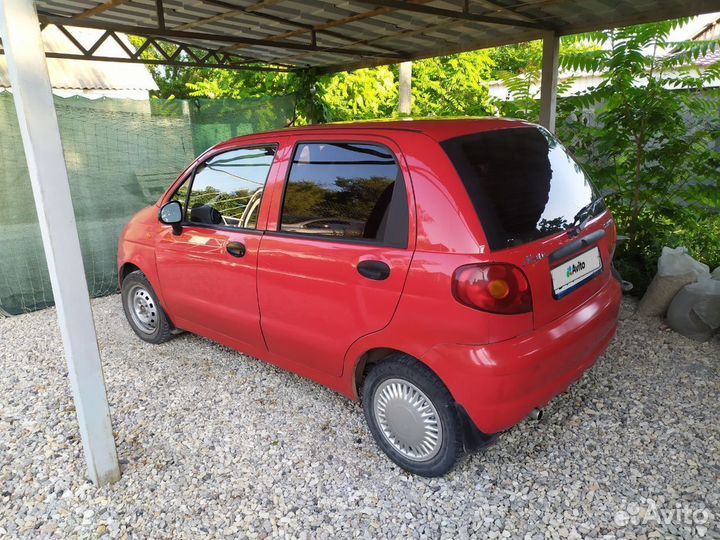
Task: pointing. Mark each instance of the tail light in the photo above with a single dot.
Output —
(612, 238)
(494, 287)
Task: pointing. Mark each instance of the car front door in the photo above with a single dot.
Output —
(321, 288)
(207, 268)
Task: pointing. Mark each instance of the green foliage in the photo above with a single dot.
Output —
(517, 58)
(358, 95)
(452, 85)
(351, 198)
(648, 133)
(518, 67)
(356, 197)
(257, 84)
(244, 84)
(524, 93)
(443, 86)
(302, 199)
(184, 83)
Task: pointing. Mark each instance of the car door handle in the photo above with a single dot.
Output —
(236, 249)
(376, 270)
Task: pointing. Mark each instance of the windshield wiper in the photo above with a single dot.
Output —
(585, 214)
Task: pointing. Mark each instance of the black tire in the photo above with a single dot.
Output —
(406, 368)
(158, 328)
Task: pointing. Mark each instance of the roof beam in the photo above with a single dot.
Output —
(210, 20)
(689, 8)
(179, 63)
(534, 4)
(100, 8)
(160, 14)
(201, 36)
(335, 23)
(196, 56)
(251, 7)
(452, 14)
(497, 6)
(253, 11)
(370, 42)
(520, 37)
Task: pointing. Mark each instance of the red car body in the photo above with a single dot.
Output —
(299, 302)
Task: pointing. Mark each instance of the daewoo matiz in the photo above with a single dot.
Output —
(454, 275)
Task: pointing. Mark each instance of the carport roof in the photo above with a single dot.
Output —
(334, 36)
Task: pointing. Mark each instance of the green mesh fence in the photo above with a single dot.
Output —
(121, 156)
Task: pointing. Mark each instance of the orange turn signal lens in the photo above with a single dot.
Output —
(498, 288)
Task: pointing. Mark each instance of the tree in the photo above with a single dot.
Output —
(518, 67)
(357, 95)
(243, 84)
(455, 85)
(517, 58)
(648, 133)
(443, 86)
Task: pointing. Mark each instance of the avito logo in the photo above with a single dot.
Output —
(573, 268)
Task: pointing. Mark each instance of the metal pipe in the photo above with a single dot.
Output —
(536, 414)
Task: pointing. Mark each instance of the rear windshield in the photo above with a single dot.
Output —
(523, 184)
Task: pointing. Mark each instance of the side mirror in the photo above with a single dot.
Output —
(171, 213)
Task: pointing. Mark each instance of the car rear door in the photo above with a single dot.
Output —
(321, 289)
(208, 270)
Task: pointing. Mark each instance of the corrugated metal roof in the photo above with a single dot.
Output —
(87, 75)
(351, 33)
(709, 59)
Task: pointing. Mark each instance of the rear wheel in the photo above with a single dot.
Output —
(412, 416)
(143, 310)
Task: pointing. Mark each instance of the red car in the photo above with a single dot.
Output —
(464, 280)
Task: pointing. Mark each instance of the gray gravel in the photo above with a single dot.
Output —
(217, 445)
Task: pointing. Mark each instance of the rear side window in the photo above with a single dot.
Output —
(523, 184)
(346, 190)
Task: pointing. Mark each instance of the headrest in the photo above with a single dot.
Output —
(205, 214)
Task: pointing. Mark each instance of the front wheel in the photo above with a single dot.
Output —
(143, 310)
(412, 416)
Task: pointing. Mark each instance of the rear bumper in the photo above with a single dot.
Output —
(501, 383)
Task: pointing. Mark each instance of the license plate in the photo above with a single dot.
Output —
(573, 273)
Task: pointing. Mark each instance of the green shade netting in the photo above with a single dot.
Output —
(121, 155)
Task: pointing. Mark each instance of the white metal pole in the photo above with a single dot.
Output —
(22, 42)
(549, 82)
(405, 88)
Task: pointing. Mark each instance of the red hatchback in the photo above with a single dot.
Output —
(454, 275)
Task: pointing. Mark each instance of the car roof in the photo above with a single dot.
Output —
(439, 129)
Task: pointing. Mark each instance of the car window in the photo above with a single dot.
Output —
(523, 183)
(348, 190)
(227, 189)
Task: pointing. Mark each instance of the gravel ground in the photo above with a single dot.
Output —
(216, 445)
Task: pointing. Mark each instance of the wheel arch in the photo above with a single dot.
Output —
(473, 438)
(375, 356)
(124, 270)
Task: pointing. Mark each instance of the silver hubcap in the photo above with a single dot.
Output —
(142, 309)
(408, 419)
